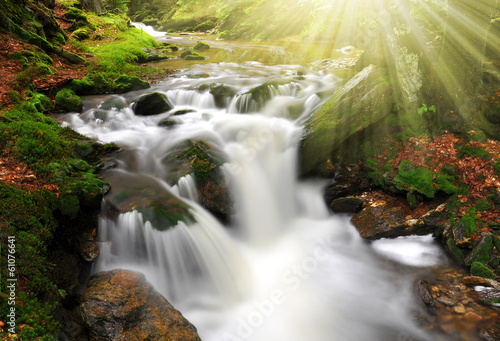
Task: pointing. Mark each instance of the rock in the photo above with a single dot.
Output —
(459, 309)
(155, 55)
(189, 54)
(461, 234)
(182, 112)
(114, 103)
(445, 301)
(201, 45)
(202, 161)
(122, 305)
(472, 317)
(347, 205)
(379, 220)
(152, 104)
(125, 83)
(81, 34)
(425, 293)
(481, 251)
(144, 194)
(68, 101)
(88, 248)
(167, 122)
(221, 94)
(366, 99)
(476, 280)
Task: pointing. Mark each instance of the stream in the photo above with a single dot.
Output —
(283, 267)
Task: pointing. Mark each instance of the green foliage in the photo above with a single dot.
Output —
(481, 270)
(68, 101)
(424, 110)
(415, 179)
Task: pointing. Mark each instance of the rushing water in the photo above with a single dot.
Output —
(285, 268)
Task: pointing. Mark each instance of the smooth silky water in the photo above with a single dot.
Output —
(285, 267)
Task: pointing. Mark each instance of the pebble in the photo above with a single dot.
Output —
(459, 309)
(445, 301)
(472, 317)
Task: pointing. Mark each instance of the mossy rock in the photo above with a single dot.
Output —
(201, 45)
(144, 194)
(189, 54)
(204, 26)
(203, 161)
(221, 94)
(126, 83)
(480, 252)
(114, 103)
(365, 100)
(68, 101)
(152, 104)
(224, 35)
(481, 270)
(81, 34)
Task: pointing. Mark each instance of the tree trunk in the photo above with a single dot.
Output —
(95, 6)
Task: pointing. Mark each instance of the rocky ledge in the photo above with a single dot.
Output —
(122, 305)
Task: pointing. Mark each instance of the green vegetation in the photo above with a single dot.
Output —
(32, 214)
(201, 45)
(468, 150)
(481, 270)
(68, 101)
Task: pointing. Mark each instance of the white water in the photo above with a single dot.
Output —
(286, 268)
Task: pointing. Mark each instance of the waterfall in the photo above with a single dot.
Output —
(284, 267)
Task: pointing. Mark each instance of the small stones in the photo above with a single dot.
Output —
(459, 308)
(472, 317)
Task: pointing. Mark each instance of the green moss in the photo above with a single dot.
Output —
(496, 168)
(201, 45)
(415, 179)
(204, 26)
(126, 48)
(483, 205)
(456, 252)
(68, 101)
(481, 252)
(81, 34)
(126, 83)
(481, 270)
(468, 150)
(198, 155)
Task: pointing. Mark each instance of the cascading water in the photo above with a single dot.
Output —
(285, 268)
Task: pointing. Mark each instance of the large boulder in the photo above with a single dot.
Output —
(152, 104)
(363, 101)
(122, 305)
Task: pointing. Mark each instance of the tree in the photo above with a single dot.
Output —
(95, 6)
